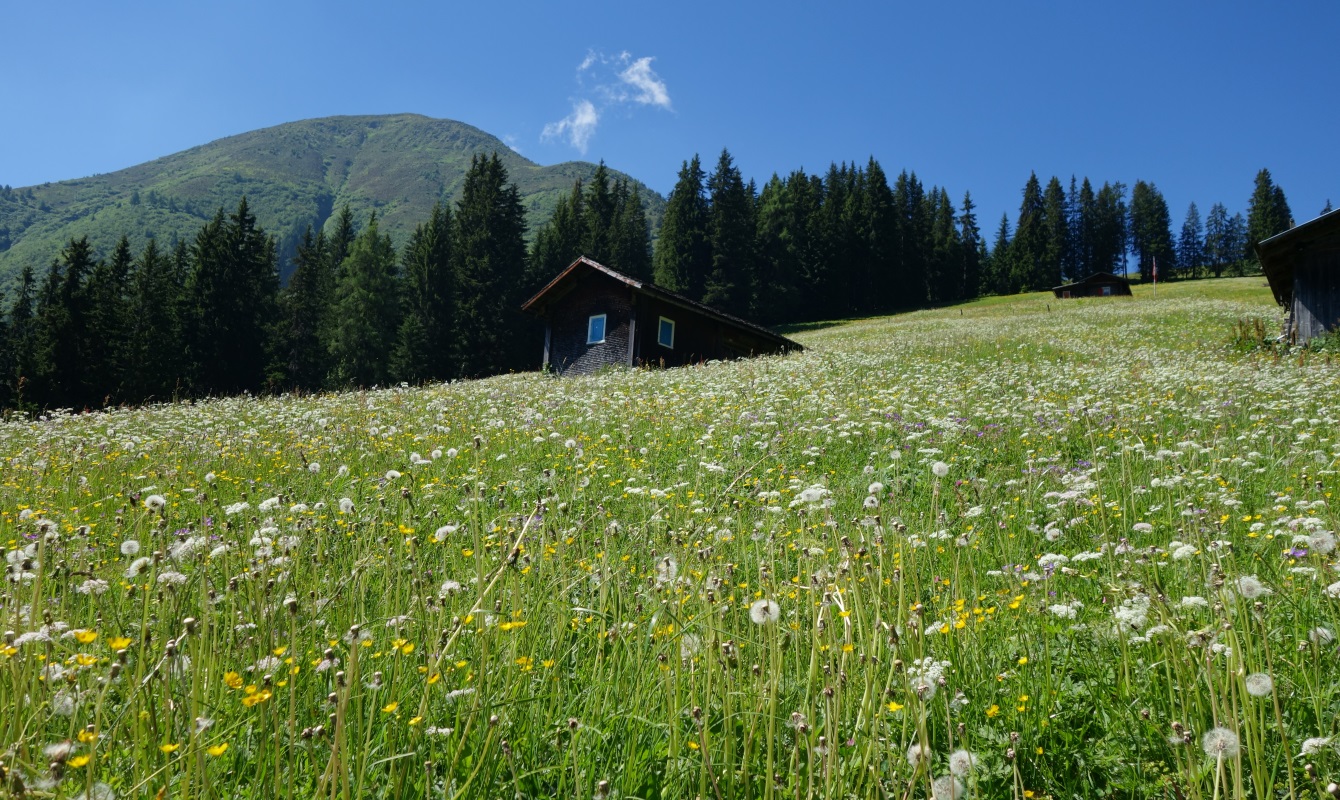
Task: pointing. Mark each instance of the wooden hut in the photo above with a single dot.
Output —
(596, 317)
(1303, 267)
(1099, 284)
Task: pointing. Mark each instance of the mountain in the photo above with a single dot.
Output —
(293, 175)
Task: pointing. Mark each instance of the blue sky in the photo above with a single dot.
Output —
(1195, 97)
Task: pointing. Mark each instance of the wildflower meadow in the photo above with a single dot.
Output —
(1020, 548)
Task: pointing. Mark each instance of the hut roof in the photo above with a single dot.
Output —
(1097, 277)
(1280, 253)
(566, 279)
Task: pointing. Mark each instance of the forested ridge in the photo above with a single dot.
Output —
(209, 316)
(293, 175)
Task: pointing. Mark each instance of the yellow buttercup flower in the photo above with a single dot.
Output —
(85, 636)
(217, 750)
(390, 707)
(79, 761)
(118, 642)
(169, 748)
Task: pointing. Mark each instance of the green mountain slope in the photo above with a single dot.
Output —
(293, 175)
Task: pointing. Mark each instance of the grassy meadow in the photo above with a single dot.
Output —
(1018, 548)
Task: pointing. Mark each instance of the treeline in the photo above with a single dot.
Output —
(209, 316)
(848, 243)
(1062, 235)
(808, 247)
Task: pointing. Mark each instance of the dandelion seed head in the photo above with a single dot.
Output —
(1251, 588)
(1220, 743)
(962, 762)
(764, 612)
(1315, 745)
(1259, 684)
(947, 787)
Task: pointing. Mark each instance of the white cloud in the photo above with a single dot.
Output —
(607, 82)
(577, 128)
(650, 88)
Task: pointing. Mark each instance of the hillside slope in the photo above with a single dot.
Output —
(293, 175)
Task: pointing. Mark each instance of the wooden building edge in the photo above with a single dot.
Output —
(1099, 284)
(598, 317)
(1302, 265)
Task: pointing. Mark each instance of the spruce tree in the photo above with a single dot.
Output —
(1191, 245)
(1109, 231)
(558, 242)
(109, 322)
(777, 267)
(1029, 250)
(366, 311)
(913, 227)
(308, 305)
(233, 296)
(1086, 225)
(630, 238)
(943, 282)
(730, 283)
(62, 330)
(424, 341)
(1150, 230)
(683, 254)
(1219, 247)
(1056, 223)
(22, 341)
(880, 229)
(598, 211)
(154, 342)
(998, 267)
(1267, 213)
(489, 254)
(970, 237)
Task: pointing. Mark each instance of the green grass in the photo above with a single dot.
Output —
(979, 527)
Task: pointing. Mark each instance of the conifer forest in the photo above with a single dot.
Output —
(208, 316)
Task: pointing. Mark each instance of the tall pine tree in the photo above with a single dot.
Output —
(489, 255)
(423, 346)
(1150, 230)
(1267, 213)
(233, 295)
(729, 285)
(367, 311)
(683, 251)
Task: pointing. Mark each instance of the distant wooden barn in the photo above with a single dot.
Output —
(595, 317)
(1099, 284)
(1303, 267)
